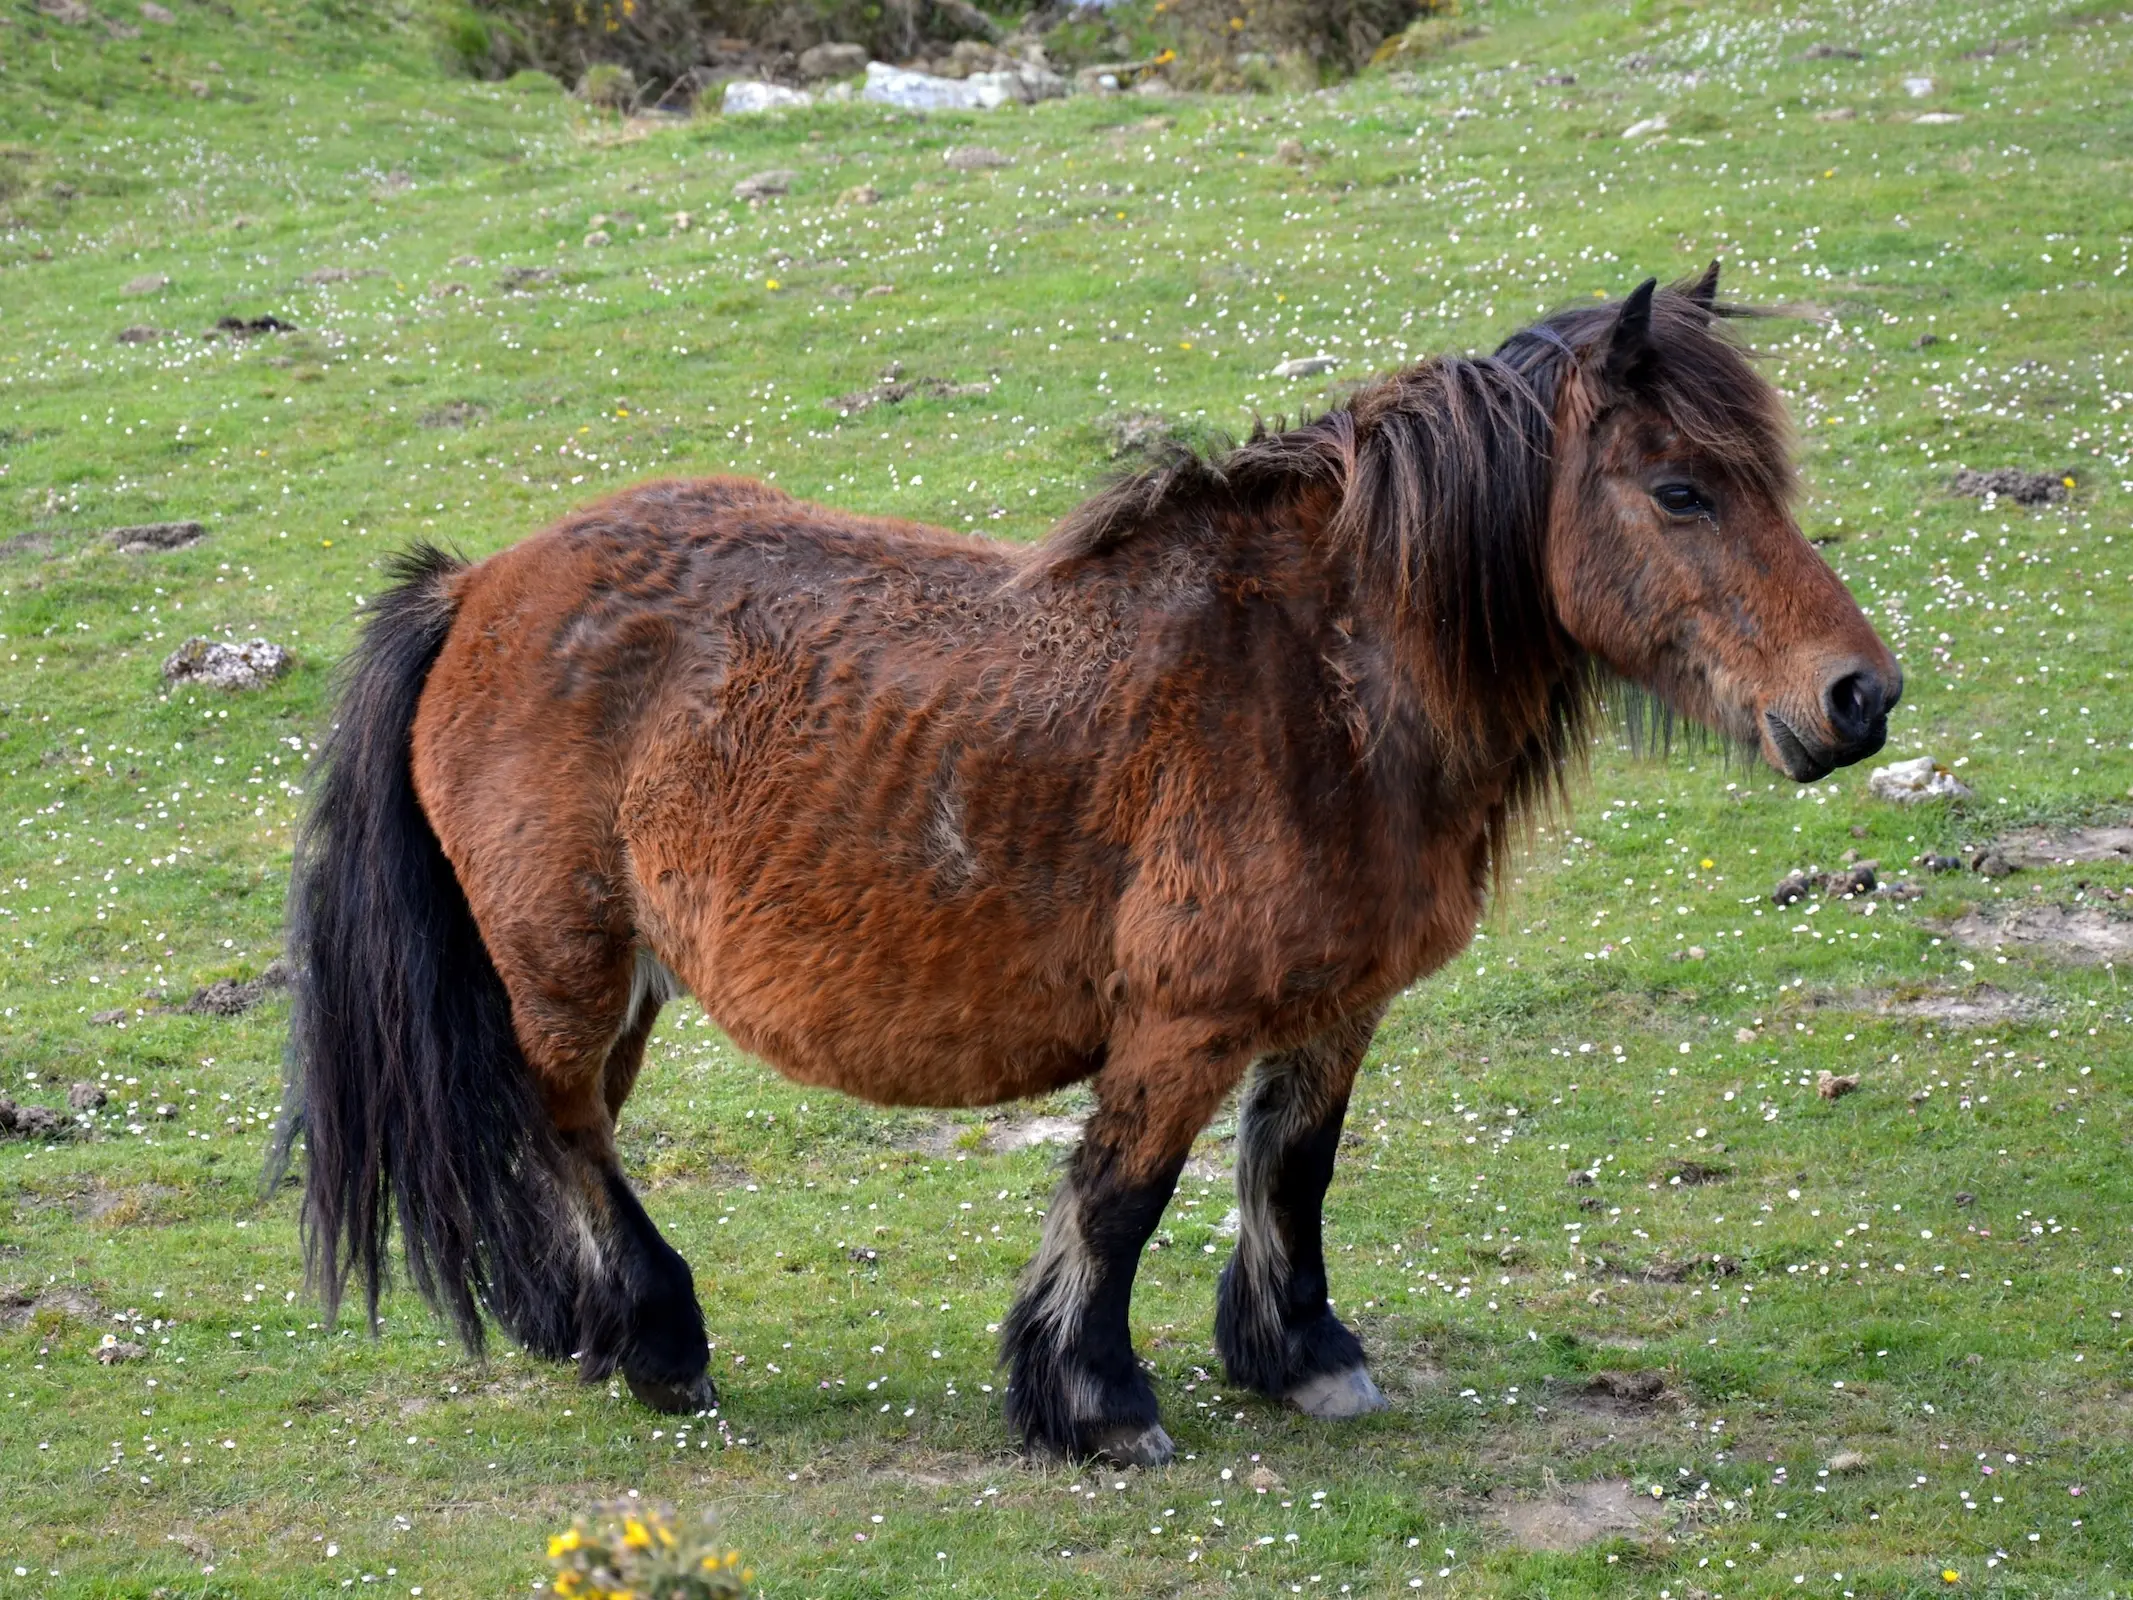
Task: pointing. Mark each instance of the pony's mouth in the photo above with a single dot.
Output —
(1794, 759)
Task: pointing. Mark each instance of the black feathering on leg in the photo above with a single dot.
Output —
(1075, 1387)
(1273, 1325)
(637, 1311)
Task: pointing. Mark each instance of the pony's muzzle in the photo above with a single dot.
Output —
(1855, 705)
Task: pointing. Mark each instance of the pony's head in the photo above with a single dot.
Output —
(1672, 553)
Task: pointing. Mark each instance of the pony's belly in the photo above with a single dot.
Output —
(888, 996)
(915, 1050)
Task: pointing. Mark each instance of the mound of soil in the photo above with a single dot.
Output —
(226, 997)
(31, 1122)
(2011, 483)
(458, 414)
(246, 328)
(144, 538)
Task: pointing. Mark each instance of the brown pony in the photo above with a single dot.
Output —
(1186, 792)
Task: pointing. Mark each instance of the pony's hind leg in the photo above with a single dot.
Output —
(647, 1321)
(584, 1023)
(1273, 1326)
(1075, 1387)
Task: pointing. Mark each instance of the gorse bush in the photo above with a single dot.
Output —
(631, 1551)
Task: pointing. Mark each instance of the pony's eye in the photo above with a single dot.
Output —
(1681, 500)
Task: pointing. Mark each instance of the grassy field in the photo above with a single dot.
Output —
(1923, 1282)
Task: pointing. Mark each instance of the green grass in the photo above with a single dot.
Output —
(1118, 265)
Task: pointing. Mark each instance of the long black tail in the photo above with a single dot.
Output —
(406, 1082)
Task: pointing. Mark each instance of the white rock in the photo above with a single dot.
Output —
(1932, 118)
(922, 91)
(235, 664)
(1911, 782)
(1024, 85)
(1306, 366)
(743, 96)
(1650, 125)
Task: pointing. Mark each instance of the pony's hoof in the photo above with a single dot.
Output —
(1129, 1446)
(679, 1399)
(1337, 1396)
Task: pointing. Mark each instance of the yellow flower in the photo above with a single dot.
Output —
(563, 1543)
(1707, 863)
(770, 283)
(1950, 1575)
(635, 1535)
(566, 1584)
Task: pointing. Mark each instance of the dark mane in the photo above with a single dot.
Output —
(1441, 475)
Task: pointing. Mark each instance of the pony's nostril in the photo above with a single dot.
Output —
(1854, 702)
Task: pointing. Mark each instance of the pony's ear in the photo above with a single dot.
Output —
(1704, 291)
(1629, 345)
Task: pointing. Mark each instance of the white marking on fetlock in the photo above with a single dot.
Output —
(1338, 1396)
(1129, 1446)
(1064, 1273)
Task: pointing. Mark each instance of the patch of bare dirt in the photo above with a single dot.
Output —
(892, 389)
(1574, 1515)
(1969, 1007)
(1664, 1268)
(1613, 1394)
(19, 1307)
(1027, 1133)
(2083, 935)
(931, 1470)
(2067, 847)
(121, 1205)
(1688, 1173)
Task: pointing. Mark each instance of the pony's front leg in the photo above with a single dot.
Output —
(1075, 1387)
(1273, 1326)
